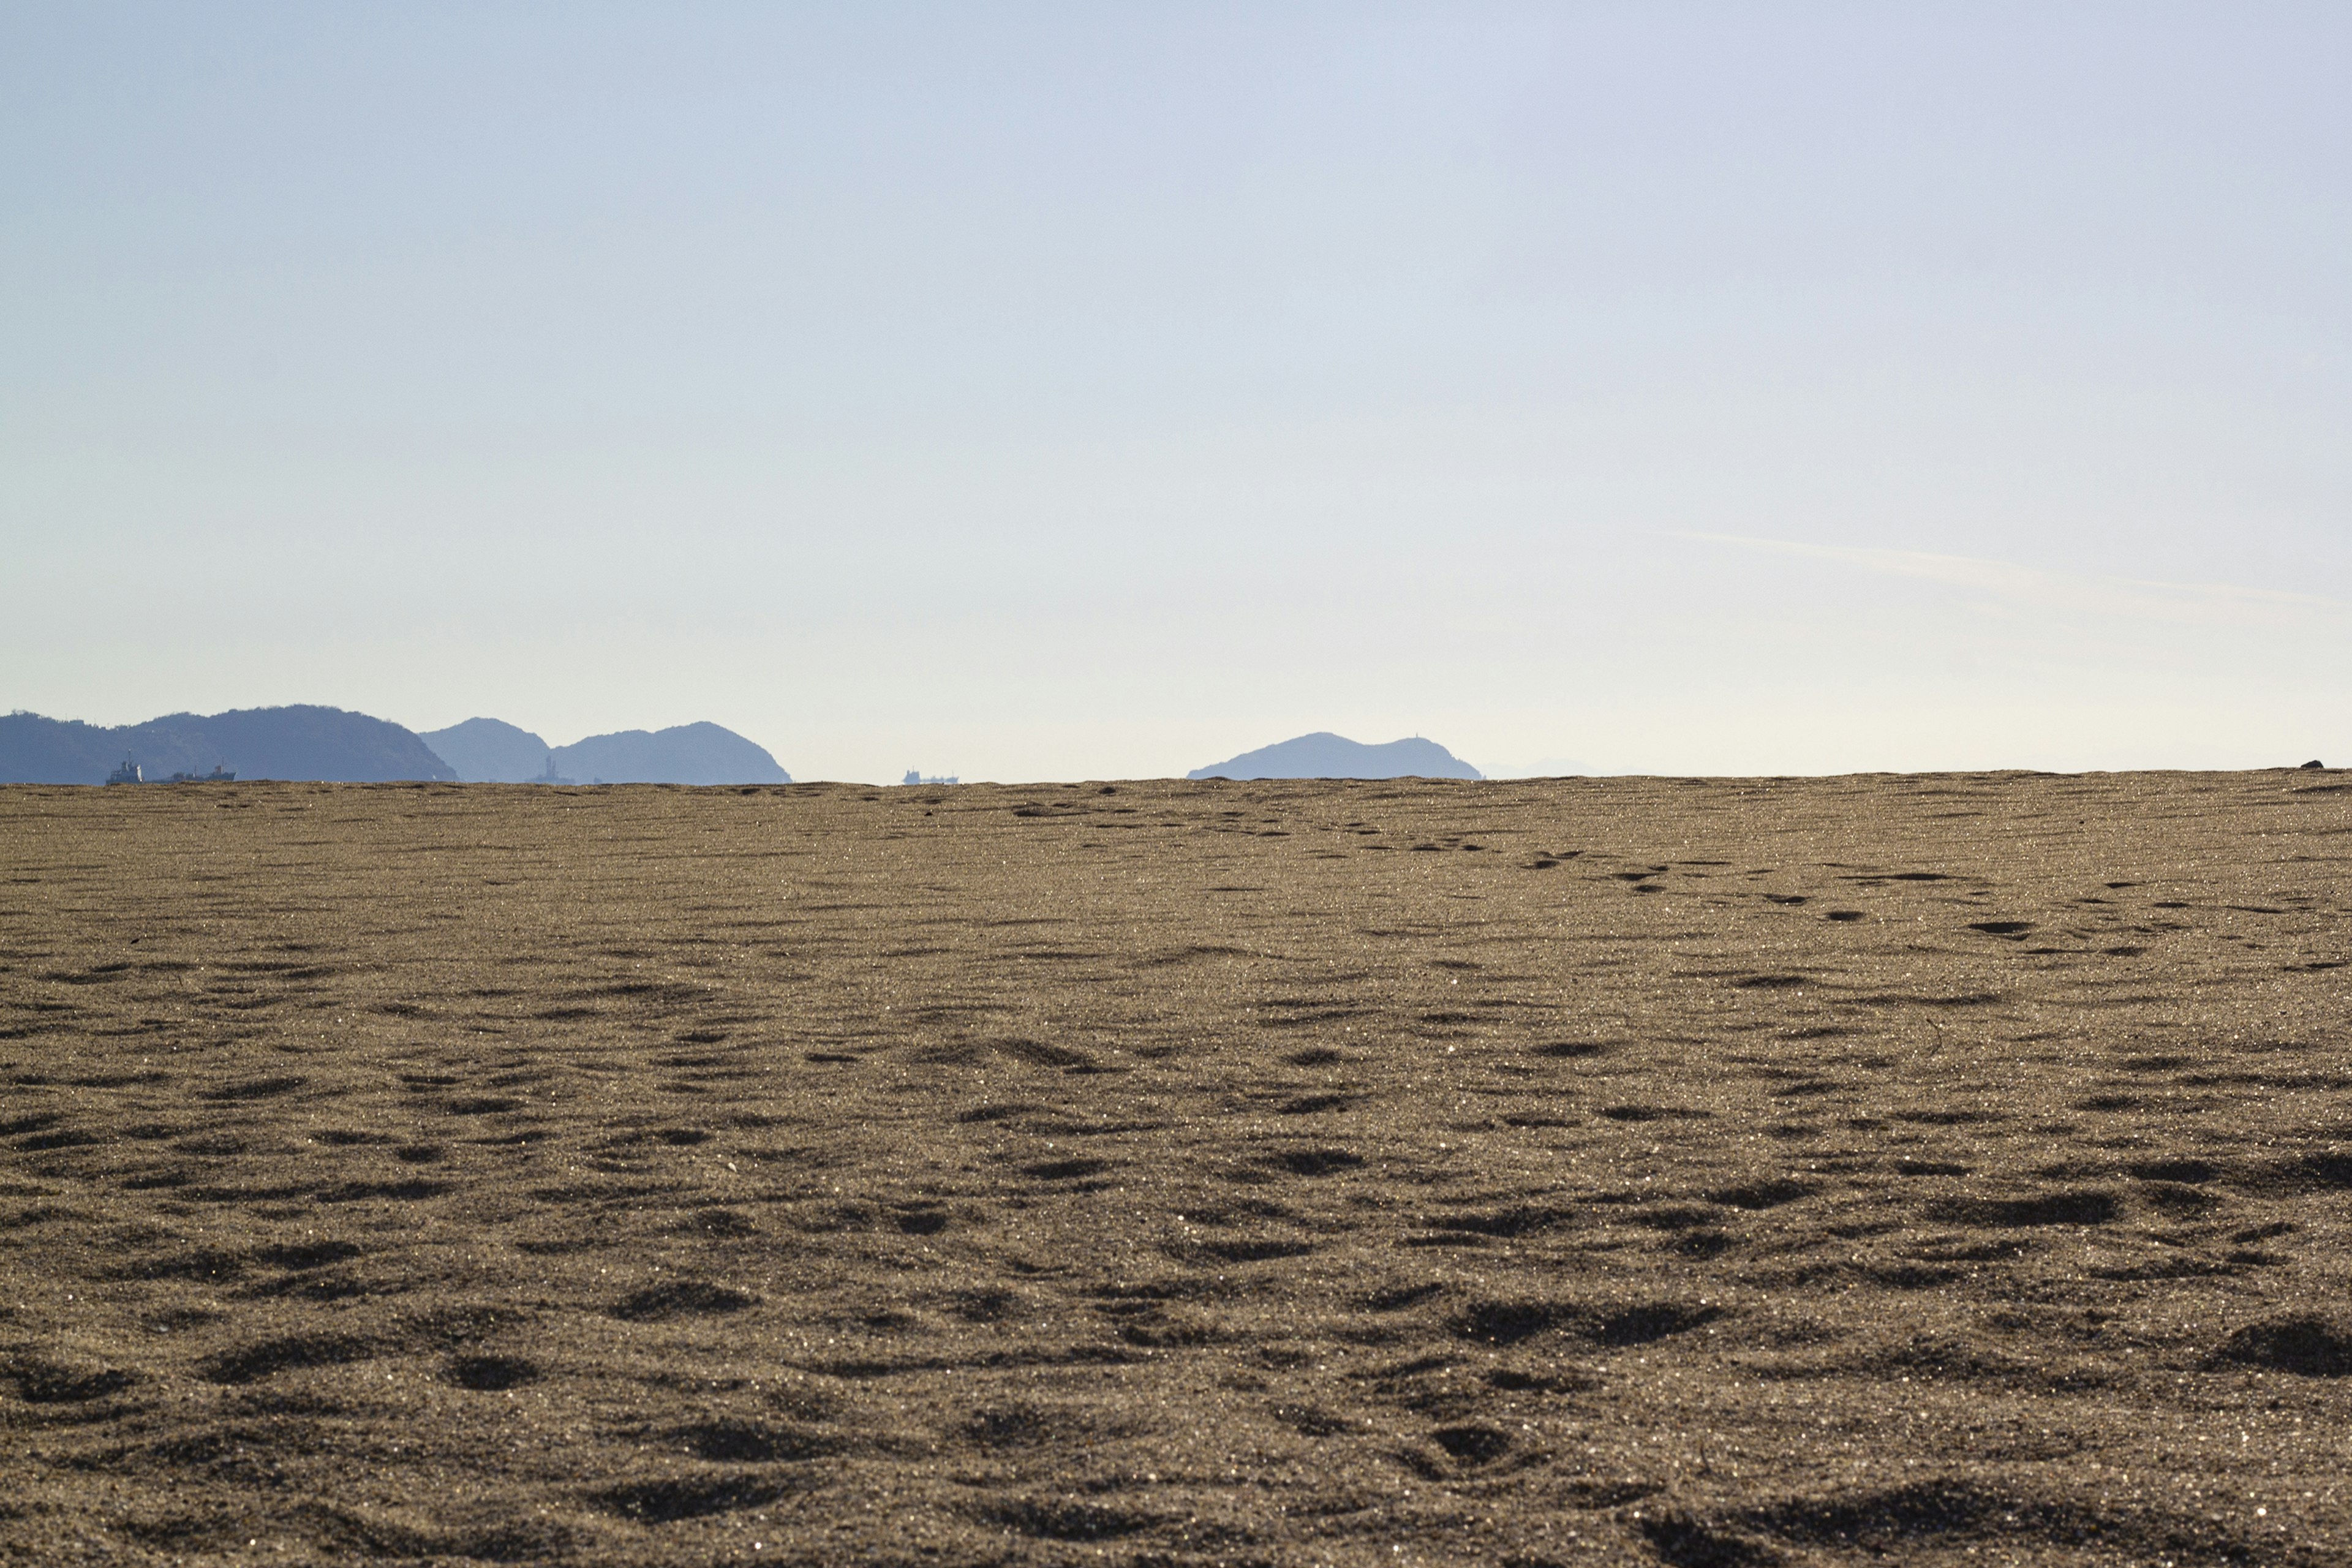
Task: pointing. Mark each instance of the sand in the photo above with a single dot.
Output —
(1948, 1168)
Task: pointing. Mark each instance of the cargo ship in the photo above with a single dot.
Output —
(130, 774)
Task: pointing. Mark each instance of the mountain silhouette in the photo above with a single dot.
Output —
(489, 750)
(301, 742)
(684, 753)
(33, 750)
(1324, 755)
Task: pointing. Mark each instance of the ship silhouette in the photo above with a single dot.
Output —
(130, 773)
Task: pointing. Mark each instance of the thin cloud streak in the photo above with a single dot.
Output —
(2072, 592)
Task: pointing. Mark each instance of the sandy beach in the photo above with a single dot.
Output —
(1937, 1169)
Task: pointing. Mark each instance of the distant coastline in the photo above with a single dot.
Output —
(314, 744)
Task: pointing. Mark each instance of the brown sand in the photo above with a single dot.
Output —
(1932, 1169)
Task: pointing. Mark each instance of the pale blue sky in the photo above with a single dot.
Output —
(1068, 391)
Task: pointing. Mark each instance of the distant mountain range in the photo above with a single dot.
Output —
(312, 742)
(491, 750)
(1324, 755)
(328, 743)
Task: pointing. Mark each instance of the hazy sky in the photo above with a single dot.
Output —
(1086, 390)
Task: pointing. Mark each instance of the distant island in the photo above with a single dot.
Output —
(302, 742)
(491, 750)
(307, 742)
(1324, 755)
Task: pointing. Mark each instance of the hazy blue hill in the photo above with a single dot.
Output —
(1324, 755)
(299, 741)
(489, 750)
(684, 753)
(33, 750)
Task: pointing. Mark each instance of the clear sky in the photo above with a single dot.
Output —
(1079, 390)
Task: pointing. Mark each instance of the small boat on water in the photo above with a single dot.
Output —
(127, 774)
